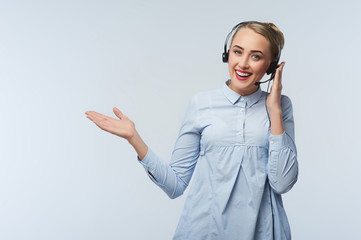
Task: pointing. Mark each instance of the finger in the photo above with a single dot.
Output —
(118, 113)
(93, 113)
(89, 115)
(100, 120)
(94, 119)
(281, 66)
(280, 69)
(103, 124)
(97, 115)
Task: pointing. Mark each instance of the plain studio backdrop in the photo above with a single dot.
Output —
(61, 177)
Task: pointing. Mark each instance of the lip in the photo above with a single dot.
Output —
(241, 78)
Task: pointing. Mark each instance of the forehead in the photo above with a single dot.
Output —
(249, 39)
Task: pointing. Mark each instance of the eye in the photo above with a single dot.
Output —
(256, 57)
(237, 52)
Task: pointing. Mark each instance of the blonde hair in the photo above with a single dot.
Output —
(276, 43)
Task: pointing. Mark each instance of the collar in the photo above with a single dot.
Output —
(233, 97)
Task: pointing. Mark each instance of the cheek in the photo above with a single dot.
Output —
(261, 68)
(231, 67)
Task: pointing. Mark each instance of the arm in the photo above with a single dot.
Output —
(282, 160)
(282, 163)
(173, 178)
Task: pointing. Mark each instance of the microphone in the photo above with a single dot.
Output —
(259, 83)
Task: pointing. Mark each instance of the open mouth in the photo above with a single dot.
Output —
(242, 75)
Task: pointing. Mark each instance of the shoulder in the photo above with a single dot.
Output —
(286, 102)
(198, 103)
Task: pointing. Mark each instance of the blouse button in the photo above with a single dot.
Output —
(242, 109)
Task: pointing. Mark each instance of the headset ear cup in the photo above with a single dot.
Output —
(272, 68)
(225, 56)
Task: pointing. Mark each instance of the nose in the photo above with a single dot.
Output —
(243, 62)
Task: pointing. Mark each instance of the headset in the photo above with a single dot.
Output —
(274, 64)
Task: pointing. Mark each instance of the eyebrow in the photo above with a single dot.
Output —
(253, 51)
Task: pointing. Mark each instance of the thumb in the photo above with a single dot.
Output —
(118, 113)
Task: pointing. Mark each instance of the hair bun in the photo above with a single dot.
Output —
(280, 34)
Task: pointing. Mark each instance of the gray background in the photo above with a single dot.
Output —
(63, 178)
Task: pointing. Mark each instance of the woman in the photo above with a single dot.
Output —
(237, 141)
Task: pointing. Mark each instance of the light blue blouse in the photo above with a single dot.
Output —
(239, 169)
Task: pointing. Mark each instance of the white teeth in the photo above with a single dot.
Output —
(243, 74)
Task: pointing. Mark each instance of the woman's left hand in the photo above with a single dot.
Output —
(274, 99)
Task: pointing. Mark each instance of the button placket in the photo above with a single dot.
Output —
(242, 115)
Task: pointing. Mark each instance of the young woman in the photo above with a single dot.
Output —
(236, 141)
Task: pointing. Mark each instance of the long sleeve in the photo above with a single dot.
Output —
(173, 178)
(283, 165)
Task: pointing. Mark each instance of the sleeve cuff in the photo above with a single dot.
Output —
(148, 161)
(277, 142)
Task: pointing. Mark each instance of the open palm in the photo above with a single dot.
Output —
(122, 127)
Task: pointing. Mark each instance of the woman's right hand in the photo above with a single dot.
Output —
(123, 127)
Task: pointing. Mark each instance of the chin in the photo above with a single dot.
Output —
(243, 88)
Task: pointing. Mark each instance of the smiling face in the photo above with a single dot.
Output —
(249, 59)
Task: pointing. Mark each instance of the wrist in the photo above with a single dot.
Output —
(275, 112)
(276, 123)
(132, 139)
(139, 145)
